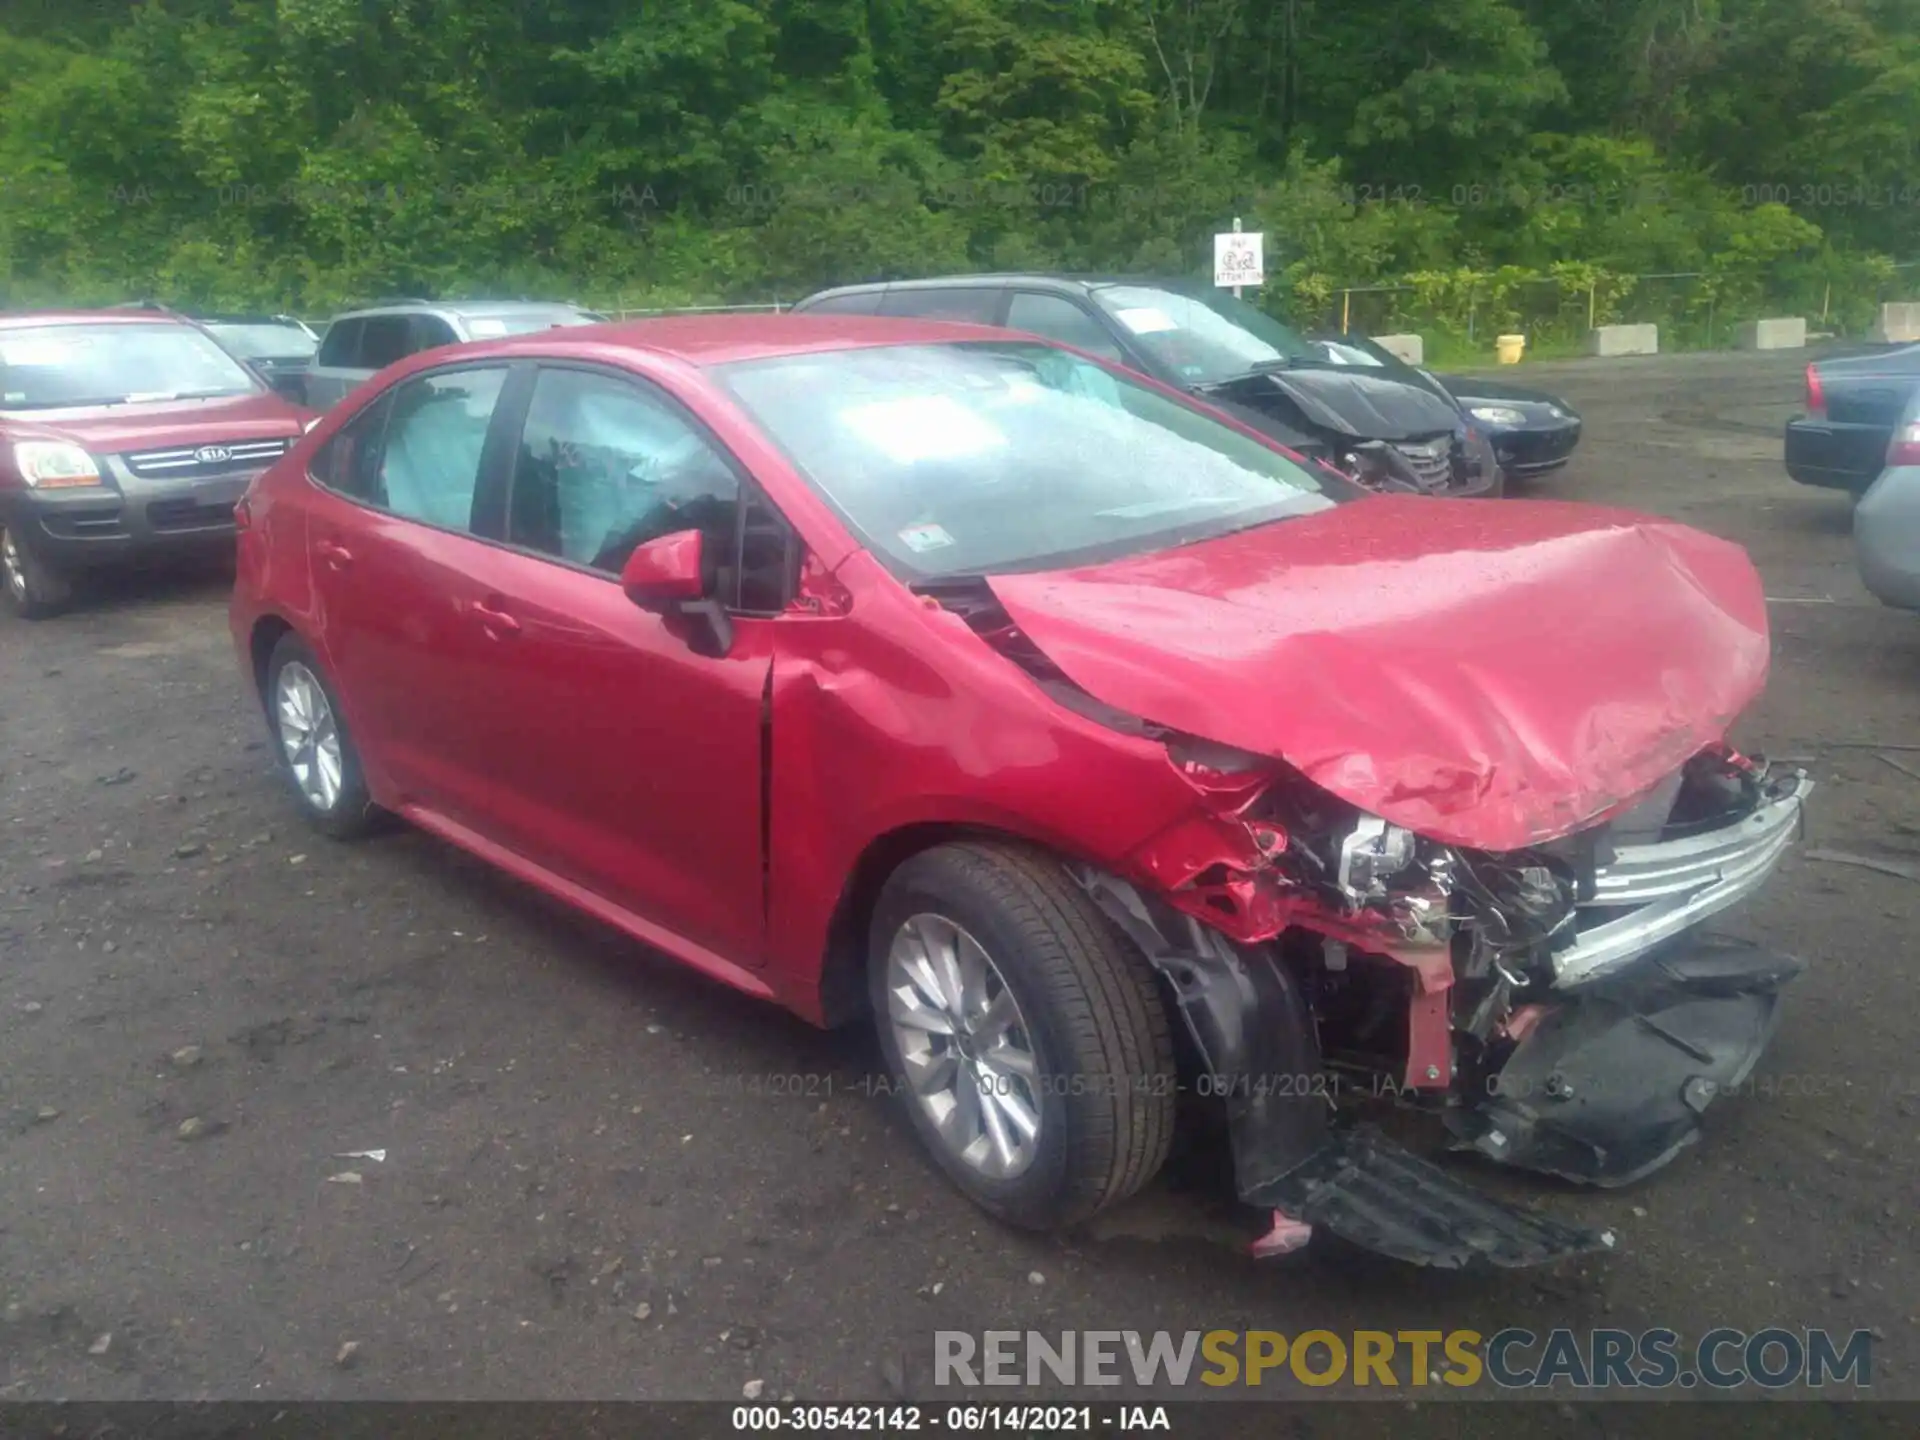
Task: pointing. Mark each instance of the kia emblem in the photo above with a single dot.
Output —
(213, 454)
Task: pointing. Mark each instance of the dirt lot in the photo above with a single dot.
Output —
(203, 1008)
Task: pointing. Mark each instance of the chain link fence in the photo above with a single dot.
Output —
(1695, 310)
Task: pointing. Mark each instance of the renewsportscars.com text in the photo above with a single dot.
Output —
(1513, 1359)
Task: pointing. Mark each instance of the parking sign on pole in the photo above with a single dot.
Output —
(1239, 258)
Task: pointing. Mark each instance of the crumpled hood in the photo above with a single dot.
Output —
(1365, 404)
(1491, 676)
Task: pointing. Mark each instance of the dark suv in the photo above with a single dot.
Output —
(361, 342)
(122, 433)
(1379, 421)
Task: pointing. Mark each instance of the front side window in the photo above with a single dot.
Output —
(863, 302)
(1202, 337)
(435, 434)
(1055, 318)
(982, 457)
(349, 463)
(604, 466)
(50, 367)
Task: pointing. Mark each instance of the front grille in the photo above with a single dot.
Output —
(187, 514)
(1431, 461)
(191, 462)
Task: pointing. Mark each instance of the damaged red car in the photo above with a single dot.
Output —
(1120, 766)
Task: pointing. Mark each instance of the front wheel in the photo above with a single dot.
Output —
(1030, 1039)
(315, 751)
(34, 588)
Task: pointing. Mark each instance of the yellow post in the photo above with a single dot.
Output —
(1346, 304)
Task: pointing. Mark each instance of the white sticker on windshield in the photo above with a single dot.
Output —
(486, 329)
(922, 427)
(922, 538)
(1147, 320)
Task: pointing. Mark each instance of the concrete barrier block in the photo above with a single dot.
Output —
(1624, 340)
(1898, 324)
(1781, 333)
(1410, 348)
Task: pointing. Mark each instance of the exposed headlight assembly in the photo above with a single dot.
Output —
(1374, 851)
(1498, 414)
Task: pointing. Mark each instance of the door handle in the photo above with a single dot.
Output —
(497, 622)
(336, 556)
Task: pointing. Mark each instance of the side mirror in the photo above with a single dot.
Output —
(665, 570)
(670, 574)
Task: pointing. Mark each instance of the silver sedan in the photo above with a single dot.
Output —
(1886, 522)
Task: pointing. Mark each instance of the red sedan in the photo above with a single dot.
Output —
(1120, 763)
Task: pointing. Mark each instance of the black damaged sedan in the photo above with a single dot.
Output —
(1358, 409)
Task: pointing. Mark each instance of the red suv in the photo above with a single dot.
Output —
(1122, 766)
(122, 433)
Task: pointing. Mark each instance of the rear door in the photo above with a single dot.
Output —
(397, 533)
(334, 369)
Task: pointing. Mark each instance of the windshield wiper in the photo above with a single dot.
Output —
(62, 404)
(149, 397)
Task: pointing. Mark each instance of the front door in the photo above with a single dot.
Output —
(621, 757)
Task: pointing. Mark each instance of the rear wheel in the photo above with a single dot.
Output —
(34, 587)
(315, 751)
(1030, 1040)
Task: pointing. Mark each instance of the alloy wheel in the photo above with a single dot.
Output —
(970, 1060)
(309, 736)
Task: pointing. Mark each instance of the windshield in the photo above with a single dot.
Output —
(45, 367)
(525, 322)
(265, 341)
(983, 457)
(1203, 338)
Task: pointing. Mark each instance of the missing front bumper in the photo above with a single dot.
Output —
(1611, 1084)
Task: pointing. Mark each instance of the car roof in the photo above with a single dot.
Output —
(13, 319)
(246, 319)
(462, 308)
(1077, 283)
(708, 340)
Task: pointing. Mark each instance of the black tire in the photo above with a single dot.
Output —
(352, 813)
(35, 588)
(1093, 1013)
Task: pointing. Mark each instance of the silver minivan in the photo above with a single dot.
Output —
(362, 342)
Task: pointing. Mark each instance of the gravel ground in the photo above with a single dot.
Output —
(590, 1189)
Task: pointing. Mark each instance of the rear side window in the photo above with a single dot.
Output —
(436, 432)
(340, 347)
(1057, 318)
(866, 302)
(387, 338)
(349, 463)
(978, 307)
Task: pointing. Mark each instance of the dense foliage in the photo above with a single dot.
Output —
(1504, 160)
